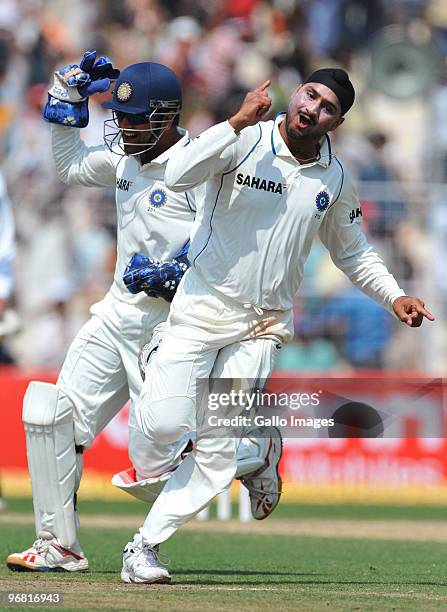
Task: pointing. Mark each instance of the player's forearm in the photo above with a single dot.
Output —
(68, 151)
(367, 271)
(341, 233)
(77, 164)
(200, 159)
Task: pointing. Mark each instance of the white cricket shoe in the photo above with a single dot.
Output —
(141, 563)
(265, 484)
(48, 555)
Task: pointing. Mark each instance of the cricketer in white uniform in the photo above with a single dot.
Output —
(264, 192)
(100, 372)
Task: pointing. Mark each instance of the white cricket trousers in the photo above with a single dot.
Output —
(100, 372)
(204, 330)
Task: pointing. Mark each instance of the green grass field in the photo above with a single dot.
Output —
(261, 570)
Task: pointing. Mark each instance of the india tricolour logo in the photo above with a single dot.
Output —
(322, 200)
(157, 198)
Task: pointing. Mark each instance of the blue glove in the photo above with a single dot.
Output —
(68, 98)
(156, 278)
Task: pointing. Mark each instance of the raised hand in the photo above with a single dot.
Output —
(255, 105)
(73, 84)
(101, 73)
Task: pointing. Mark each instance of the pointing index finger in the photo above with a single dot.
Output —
(264, 86)
(419, 307)
(426, 313)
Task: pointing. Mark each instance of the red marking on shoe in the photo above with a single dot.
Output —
(267, 506)
(260, 500)
(67, 553)
(267, 459)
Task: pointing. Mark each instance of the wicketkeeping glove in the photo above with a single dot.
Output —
(68, 98)
(156, 278)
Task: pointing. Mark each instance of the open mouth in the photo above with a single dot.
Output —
(130, 138)
(304, 120)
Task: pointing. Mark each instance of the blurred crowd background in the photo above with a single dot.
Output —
(394, 142)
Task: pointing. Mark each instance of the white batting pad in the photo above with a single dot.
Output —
(51, 460)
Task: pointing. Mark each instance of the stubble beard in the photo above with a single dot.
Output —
(292, 135)
(297, 137)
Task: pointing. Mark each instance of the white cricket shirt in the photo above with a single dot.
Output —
(151, 219)
(259, 211)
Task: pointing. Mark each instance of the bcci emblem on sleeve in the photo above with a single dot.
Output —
(322, 200)
(157, 198)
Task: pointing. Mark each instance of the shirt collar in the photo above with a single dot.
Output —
(163, 157)
(280, 148)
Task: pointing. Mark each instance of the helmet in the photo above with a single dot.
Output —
(146, 93)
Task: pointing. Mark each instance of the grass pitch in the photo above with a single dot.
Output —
(250, 570)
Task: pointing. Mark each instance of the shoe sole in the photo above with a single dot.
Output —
(19, 565)
(15, 567)
(261, 518)
(162, 580)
